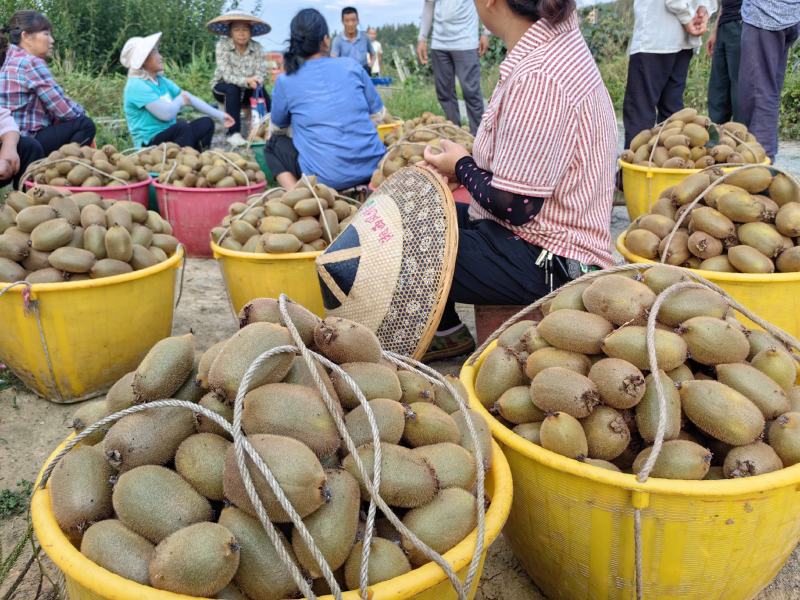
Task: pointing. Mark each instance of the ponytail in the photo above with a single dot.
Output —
(22, 21)
(308, 29)
(553, 11)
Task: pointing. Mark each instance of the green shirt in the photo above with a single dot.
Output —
(140, 92)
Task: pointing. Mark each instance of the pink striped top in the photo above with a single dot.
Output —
(550, 131)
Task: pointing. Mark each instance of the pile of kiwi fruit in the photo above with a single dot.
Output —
(188, 168)
(279, 222)
(82, 166)
(684, 141)
(52, 235)
(578, 382)
(156, 496)
(748, 223)
(425, 120)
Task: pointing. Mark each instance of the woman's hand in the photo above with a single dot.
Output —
(253, 82)
(445, 161)
(6, 171)
(228, 121)
(9, 155)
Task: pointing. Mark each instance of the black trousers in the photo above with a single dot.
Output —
(28, 150)
(654, 89)
(197, 134)
(282, 157)
(493, 266)
(80, 131)
(724, 78)
(234, 98)
(761, 72)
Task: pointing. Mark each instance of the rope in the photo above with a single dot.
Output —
(183, 273)
(321, 208)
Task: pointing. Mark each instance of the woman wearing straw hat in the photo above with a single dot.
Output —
(330, 103)
(152, 102)
(542, 171)
(241, 65)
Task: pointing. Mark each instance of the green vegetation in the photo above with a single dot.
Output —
(15, 502)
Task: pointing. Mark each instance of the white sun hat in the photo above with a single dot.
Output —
(136, 50)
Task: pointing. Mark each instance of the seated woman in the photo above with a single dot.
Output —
(328, 102)
(241, 66)
(27, 88)
(152, 102)
(16, 151)
(542, 171)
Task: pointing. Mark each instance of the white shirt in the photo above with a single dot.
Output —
(455, 24)
(378, 58)
(658, 25)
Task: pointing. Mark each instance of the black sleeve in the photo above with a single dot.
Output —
(512, 208)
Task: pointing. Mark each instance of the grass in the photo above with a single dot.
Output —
(15, 502)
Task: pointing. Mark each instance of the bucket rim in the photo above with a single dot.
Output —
(68, 286)
(219, 251)
(626, 166)
(98, 189)
(786, 477)
(94, 577)
(187, 190)
(713, 276)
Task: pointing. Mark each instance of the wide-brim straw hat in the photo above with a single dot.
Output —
(221, 25)
(392, 267)
(137, 49)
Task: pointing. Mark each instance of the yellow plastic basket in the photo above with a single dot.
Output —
(386, 128)
(86, 580)
(94, 331)
(642, 186)
(571, 526)
(774, 297)
(249, 275)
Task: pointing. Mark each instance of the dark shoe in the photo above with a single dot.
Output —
(449, 346)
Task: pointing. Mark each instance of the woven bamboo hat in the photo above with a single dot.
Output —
(221, 25)
(392, 267)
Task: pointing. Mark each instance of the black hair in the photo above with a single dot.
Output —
(22, 21)
(554, 11)
(349, 10)
(306, 32)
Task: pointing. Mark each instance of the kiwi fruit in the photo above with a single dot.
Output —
(720, 264)
(88, 414)
(607, 434)
(630, 344)
(390, 417)
(155, 502)
(619, 383)
(560, 389)
(386, 561)
(643, 243)
(373, 379)
(482, 431)
(511, 337)
(547, 357)
(216, 404)
(116, 548)
(291, 410)
(261, 572)
(206, 360)
(563, 434)
(407, 481)
(690, 187)
(345, 341)
(50, 235)
(678, 459)
(241, 349)
(684, 304)
(530, 432)
(618, 299)
(576, 331)
(294, 466)
(415, 387)
(427, 424)
(515, 406)
(164, 368)
(767, 395)
(501, 371)
(789, 260)
(198, 560)
(713, 341)
(753, 459)
(267, 310)
(657, 224)
(784, 437)
(648, 411)
(200, 459)
(80, 490)
(333, 526)
(681, 374)
(778, 364)
(453, 465)
(721, 412)
(754, 179)
(29, 218)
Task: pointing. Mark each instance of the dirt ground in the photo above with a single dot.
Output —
(30, 428)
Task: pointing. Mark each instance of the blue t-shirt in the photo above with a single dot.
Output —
(328, 102)
(140, 92)
(357, 49)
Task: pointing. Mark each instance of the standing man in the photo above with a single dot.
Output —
(353, 43)
(723, 47)
(377, 61)
(665, 35)
(455, 52)
(769, 29)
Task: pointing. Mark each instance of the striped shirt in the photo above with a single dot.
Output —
(550, 131)
(28, 90)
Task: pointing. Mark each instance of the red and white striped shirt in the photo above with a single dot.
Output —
(550, 131)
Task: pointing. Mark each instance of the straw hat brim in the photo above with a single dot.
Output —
(221, 25)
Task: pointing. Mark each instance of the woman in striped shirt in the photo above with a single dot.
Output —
(542, 171)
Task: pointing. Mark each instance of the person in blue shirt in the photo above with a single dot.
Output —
(152, 102)
(330, 104)
(353, 43)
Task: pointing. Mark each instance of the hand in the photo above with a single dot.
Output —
(712, 39)
(186, 100)
(11, 156)
(6, 172)
(483, 45)
(228, 122)
(422, 51)
(252, 82)
(445, 162)
(693, 28)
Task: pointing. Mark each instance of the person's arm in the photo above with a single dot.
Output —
(335, 51)
(279, 115)
(374, 102)
(712, 39)
(226, 69)
(55, 101)
(425, 24)
(164, 110)
(205, 108)
(9, 138)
